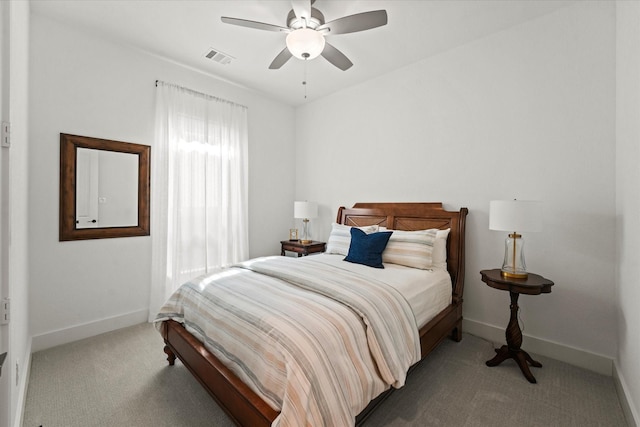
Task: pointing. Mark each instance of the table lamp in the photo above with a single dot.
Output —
(512, 215)
(305, 210)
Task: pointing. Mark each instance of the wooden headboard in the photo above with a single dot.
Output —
(416, 216)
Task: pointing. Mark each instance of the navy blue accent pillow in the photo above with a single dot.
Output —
(367, 248)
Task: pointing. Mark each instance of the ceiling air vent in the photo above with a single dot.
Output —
(219, 57)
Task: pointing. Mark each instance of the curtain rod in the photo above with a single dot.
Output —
(195, 92)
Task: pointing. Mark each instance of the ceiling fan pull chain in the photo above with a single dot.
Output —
(304, 77)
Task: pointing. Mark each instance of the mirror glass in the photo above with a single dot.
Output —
(104, 188)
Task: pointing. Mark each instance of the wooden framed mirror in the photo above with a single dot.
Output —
(104, 188)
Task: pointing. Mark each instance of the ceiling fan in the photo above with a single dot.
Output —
(306, 31)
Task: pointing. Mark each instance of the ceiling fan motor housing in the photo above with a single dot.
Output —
(317, 19)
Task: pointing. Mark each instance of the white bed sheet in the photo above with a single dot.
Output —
(428, 292)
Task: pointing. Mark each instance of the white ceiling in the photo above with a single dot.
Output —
(184, 30)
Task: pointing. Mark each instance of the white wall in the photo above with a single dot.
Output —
(14, 96)
(628, 201)
(83, 85)
(526, 113)
(5, 383)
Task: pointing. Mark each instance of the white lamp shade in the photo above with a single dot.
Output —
(515, 215)
(305, 210)
(305, 41)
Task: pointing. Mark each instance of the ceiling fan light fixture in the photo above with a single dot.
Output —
(305, 43)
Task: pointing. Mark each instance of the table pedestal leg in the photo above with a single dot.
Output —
(514, 341)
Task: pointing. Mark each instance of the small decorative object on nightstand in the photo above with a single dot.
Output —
(302, 249)
(532, 285)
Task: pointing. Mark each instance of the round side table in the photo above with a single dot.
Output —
(532, 285)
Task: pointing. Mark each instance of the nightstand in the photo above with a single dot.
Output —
(532, 285)
(302, 249)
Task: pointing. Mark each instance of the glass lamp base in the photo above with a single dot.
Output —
(305, 240)
(514, 266)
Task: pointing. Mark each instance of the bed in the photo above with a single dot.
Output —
(250, 407)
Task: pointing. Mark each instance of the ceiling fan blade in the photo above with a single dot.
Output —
(281, 59)
(302, 8)
(354, 23)
(253, 24)
(336, 57)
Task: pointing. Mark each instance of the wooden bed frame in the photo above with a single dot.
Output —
(241, 403)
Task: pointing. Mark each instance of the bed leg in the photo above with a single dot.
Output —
(171, 358)
(456, 333)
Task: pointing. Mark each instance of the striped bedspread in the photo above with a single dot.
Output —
(317, 343)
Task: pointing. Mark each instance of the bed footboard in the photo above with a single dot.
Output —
(241, 403)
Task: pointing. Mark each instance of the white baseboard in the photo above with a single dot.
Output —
(574, 356)
(629, 409)
(86, 330)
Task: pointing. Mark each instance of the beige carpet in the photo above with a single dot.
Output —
(122, 379)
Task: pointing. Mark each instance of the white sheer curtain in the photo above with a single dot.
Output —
(199, 188)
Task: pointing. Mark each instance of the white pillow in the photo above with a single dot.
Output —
(423, 249)
(340, 238)
(439, 255)
(410, 248)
